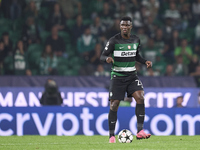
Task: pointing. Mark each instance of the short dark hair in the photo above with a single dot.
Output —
(126, 18)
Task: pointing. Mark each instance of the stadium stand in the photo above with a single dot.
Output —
(152, 18)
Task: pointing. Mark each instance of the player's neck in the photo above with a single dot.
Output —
(126, 36)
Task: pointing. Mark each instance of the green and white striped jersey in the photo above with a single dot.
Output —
(125, 53)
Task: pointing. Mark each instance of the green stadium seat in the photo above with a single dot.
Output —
(87, 21)
(33, 57)
(44, 13)
(65, 36)
(35, 48)
(14, 36)
(8, 64)
(70, 23)
(44, 35)
(70, 72)
(18, 24)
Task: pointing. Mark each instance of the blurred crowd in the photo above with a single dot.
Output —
(66, 37)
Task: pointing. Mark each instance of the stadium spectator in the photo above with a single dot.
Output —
(197, 50)
(57, 43)
(20, 60)
(139, 69)
(106, 16)
(56, 18)
(151, 51)
(48, 62)
(8, 44)
(179, 101)
(180, 69)
(95, 55)
(100, 71)
(134, 5)
(174, 41)
(96, 7)
(186, 16)
(197, 32)
(102, 39)
(152, 6)
(70, 8)
(48, 3)
(31, 10)
(2, 52)
(37, 4)
(199, 98)
(86, 43)
(5, 8)
(2, 56)
(141, 17)
(150, 27)
(143, 37)
(97, 28)
(168, 28)
(185, 50)
(196, 9)
(159, 40)
(196, 72)
(173, 13)
(30, 33)
(123, 11)
(151, 72)
(167, 53)
(114, 29)
(51, 95)
(169, 72)
(114, 5)
(160, 65)
(15, 9)
(193, 63)
(77, 29)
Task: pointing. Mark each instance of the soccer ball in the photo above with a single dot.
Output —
(125, 136)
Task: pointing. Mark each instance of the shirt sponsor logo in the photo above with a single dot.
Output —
(128, 53)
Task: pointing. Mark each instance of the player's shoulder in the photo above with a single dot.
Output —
(114, 38)
(133, 36)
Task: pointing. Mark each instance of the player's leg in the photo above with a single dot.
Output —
(116, 93)
(135, 89)
(139, 109)
(112, 116)
(112, 119)
(140, 114)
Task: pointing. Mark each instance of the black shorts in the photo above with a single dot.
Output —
(120, 85)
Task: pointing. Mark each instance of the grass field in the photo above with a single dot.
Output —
(97, 143)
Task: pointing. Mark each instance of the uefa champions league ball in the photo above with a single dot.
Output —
(125, 136)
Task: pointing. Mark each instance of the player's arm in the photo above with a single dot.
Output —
(108, 50)
(140, 59)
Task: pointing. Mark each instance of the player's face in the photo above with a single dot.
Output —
(125, 27)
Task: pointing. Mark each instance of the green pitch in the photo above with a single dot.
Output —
(97, 143)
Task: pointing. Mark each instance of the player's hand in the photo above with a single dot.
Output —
(109, 60)
(149, 64)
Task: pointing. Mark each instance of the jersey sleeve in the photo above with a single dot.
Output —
(139, 58)
(108, 50)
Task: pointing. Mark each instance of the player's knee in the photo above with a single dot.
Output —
(140, 99)
(114, 106)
